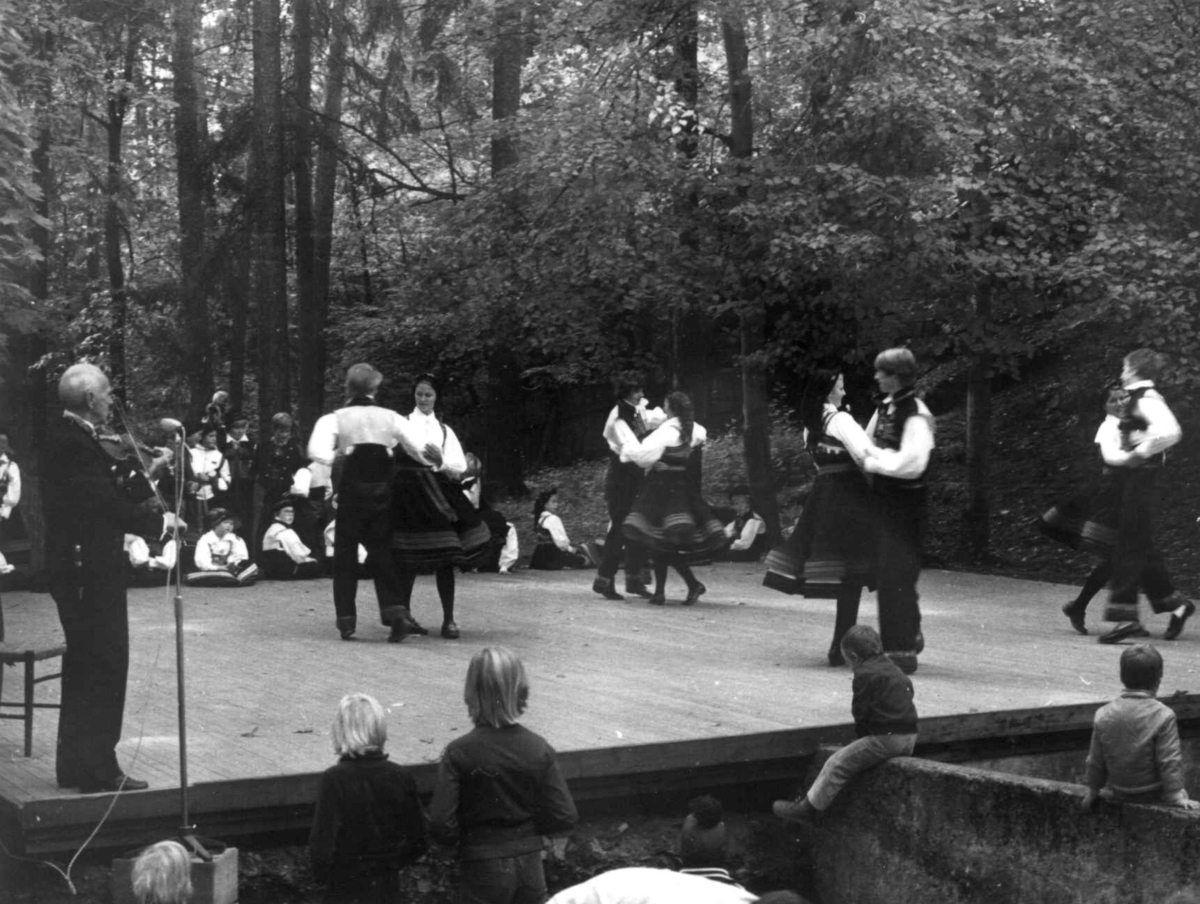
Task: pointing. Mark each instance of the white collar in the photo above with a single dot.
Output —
(421, 415)
(83, 422)
(1139, 384)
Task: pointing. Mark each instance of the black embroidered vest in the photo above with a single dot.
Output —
(889, 433)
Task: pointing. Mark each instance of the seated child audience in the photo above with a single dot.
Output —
(554, 548)
(1135, 753)
(745, 528)
(162, 874)
(503, 549)
(222, 559)
(885, 720)
(150, 562)
(499, 789)
(368, 823)
(284, 555)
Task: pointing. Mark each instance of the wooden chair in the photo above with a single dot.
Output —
(11, 653)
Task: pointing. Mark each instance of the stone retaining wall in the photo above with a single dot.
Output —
(925, 832)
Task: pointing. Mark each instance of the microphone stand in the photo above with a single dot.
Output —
(187, 831)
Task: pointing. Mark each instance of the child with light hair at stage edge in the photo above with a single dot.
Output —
(1135, 754)
(499, 789)
(885, 721)
(162, 874)
(368, 823)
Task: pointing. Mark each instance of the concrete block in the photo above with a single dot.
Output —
(213, 882)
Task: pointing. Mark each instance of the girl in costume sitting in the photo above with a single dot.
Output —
(222, 559)
(284, 555)
(554, 549)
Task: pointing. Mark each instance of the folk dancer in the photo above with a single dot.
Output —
(357, 441)
(903, 429)
(1147, 431)
(628, 423)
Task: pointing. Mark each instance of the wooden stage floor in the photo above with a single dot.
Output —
(619, 688)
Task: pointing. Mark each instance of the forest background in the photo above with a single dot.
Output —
(529, 197)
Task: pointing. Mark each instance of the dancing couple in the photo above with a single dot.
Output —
(864, 522)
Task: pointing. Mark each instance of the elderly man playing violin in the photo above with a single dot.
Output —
(88, 513)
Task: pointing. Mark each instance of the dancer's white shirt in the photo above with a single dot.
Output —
(646, 885)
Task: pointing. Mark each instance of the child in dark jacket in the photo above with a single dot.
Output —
(885, 720)
(368, 823)
(499, 790)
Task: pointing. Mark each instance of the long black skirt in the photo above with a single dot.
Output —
(1087, 522)
(433, 522)
(832, 543)
(670, 516)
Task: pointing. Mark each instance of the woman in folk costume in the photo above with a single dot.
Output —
(670, 517)
(435, 528)
(831, 553)
(1089, 522)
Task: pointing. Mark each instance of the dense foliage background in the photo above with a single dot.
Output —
(530, 196)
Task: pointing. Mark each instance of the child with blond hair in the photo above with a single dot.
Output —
(499, 790)
(368, 823)
(162, 874)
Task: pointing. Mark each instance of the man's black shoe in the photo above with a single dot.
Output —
(637, 588)
(119, 782)
(604, 587)
(1178, 621)
(1075, 614)
(1124, 631)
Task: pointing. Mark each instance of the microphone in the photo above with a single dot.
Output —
(170, 425)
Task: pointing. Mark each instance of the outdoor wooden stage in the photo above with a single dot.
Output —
(635, 698)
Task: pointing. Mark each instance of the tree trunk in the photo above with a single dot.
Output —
(326, 184)
(756, 422)
(34, 347)
(310, 380)
(267, 202)
(237, 286)
(976, 516)
(502, 453)
(506, 82)
(196, 350)
(118, 103)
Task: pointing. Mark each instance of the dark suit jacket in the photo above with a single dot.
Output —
(86, 506)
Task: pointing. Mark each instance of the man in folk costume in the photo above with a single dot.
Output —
(1136, 454)
(628, 423)
(903, 429)
(357, 441)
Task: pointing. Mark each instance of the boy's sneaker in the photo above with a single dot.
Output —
(798, 810)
